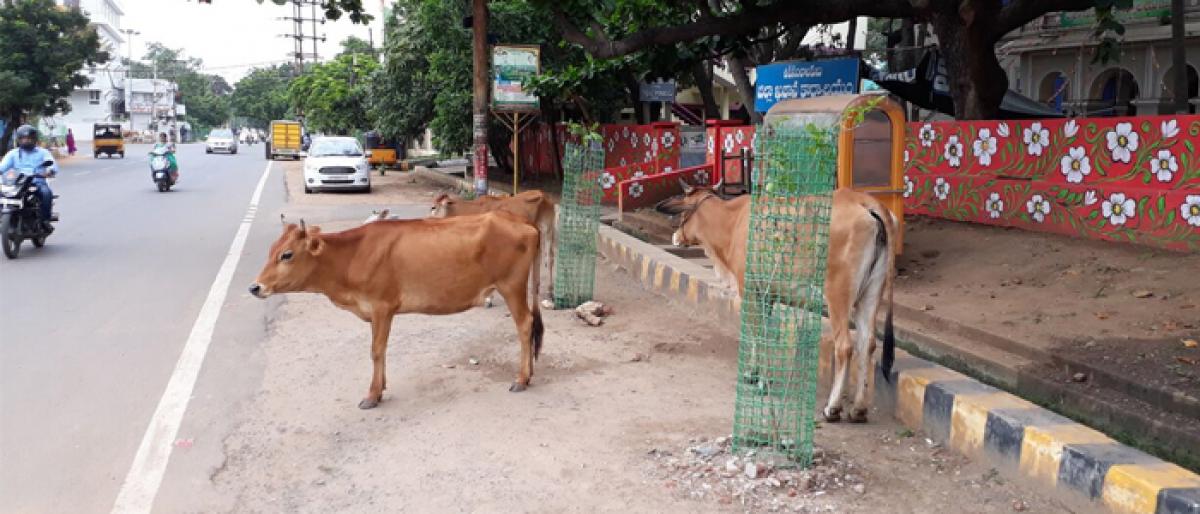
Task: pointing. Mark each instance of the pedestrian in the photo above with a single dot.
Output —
(71, 142)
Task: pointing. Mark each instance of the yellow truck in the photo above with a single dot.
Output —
(285, 139)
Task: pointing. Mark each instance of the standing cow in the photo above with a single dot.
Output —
(858, 276)
(428, 266)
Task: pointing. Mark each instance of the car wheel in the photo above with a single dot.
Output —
(208, 150)
(308, 190)
(366, 190)
(233, 152)
(122, 155)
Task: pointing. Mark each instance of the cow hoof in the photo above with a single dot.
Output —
(368, 403)
(517, 387)
(858, 415)
(833, 415)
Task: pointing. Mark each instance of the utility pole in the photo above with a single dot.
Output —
(129, 33)
(1178, 60)
(479, 119)
(154, 95)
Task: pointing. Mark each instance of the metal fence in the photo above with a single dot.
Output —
(786, 251)
(578, 224)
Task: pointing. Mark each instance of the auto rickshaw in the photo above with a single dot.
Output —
(378, 153)
(107, 139)
(870, 146)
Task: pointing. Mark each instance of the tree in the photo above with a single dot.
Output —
(333, 95)
(261, 96)
(356, 45)
(335, 8)
(43, 52)
(967, 30)
(204, 95)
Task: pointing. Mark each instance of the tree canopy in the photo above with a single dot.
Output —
(205, 95)
(43, 53)
(333, 95)
(261, 96)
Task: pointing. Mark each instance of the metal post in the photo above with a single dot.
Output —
(1178, 58)
(480, 78)
(516, 149)
(153, 94)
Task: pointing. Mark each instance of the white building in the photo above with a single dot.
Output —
(100, 100)
(151, 99)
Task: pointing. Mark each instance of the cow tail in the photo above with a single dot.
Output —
(538, 330)
(886, 253)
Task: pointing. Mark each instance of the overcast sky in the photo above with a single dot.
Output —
(231, 36)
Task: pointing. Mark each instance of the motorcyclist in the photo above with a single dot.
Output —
(28, 155)
(169, 148)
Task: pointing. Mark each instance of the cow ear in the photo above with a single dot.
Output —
(316, 245)
(687, 188)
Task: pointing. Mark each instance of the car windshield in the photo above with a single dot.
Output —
(220, 133)
(327, 147)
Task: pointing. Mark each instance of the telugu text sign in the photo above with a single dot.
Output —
(784, 81)
(512, 65)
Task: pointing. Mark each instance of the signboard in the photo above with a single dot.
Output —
(1142, 10)
(657, 91)
(787, 80)
(511, 66)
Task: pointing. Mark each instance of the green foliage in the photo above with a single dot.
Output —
(203, 94)
(333, 95)
(1108, 30)
(356, 45)
(335, 8)
(261, 96)
(43, 51)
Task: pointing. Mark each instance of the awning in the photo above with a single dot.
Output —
(928, 87)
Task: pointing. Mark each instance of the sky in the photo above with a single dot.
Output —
(232, 36)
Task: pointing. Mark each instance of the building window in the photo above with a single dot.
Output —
(94, 97)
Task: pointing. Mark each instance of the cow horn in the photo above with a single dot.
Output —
(303, 228)
(687, 188)
(282, 219)
(717, 186)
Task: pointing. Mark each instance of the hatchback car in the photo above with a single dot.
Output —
(336, 163)
(221, 140)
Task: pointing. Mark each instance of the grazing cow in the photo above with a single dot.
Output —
(858, 276)
(428, 266)
(533, 206)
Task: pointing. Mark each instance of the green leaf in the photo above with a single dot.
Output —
(1188, 143)
(1162, 203)
(1093, 215)
(1146, 178)
(1141, 204)
(1103, 223)
(1170, 218)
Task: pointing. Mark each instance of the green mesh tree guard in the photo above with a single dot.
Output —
(578, 224)
(794, 176)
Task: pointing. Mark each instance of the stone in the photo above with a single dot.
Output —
(860, 489)
(1079, 377)
(753, 470)
(474, 362)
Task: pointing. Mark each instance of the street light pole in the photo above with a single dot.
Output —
(129, 75)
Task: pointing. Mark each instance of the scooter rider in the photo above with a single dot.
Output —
(169, 147)
(29, 155)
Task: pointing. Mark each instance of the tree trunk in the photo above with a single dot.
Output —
(635, 99)
(906, 58)
(977, 81)
(704, 81)
(737, 66)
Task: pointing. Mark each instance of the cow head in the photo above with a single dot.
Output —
(685, 206)
(291, 261)
(441, 206)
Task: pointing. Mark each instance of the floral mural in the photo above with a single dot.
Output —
(1133, 179)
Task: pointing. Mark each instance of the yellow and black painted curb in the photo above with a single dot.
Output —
(974, 419)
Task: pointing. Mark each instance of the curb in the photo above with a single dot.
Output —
(974, 419)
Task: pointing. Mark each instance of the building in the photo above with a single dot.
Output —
(1050, 60)
(102, 98)
(152, 104)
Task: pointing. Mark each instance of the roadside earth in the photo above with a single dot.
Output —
(608, 410)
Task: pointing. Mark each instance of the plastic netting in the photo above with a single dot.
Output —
(578, 224)
(794, 176)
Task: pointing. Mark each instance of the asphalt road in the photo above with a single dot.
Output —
(92, 325)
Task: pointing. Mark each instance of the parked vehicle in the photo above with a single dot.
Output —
(160, 169)
(221, 140)
(335, 163)
(285, 139)
(20, 211)
(107, 139)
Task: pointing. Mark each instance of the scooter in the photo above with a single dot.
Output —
(160, 169)
(20, 210)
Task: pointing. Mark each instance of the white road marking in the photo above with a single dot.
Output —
(145, 475)
(82, 173)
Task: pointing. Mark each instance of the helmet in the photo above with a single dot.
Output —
(29, 135)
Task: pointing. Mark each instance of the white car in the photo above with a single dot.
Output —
(221, 140)
(336, 163)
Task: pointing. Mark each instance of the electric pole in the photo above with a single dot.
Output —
(479, 120)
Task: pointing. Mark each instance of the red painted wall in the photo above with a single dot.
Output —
(1134, 179)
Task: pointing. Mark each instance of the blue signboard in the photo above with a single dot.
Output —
(787, 80)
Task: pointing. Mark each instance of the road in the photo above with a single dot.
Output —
(94, 323)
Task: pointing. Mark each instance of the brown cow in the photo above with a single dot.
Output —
(858, 276)
(533, 206)
(428, 266)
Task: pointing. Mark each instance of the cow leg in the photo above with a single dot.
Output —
(381, 326)
(550, 242)
(839, 319)
(864, 344)
(523, 318)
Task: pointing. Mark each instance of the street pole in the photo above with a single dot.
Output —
(129, 76)
(1178, 59)
(153, 95)
(479, 108)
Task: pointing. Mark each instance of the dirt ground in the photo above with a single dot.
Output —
(625, 417)
(1131, 307)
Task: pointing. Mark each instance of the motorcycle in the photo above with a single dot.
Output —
(20, 211)
(160, 168)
